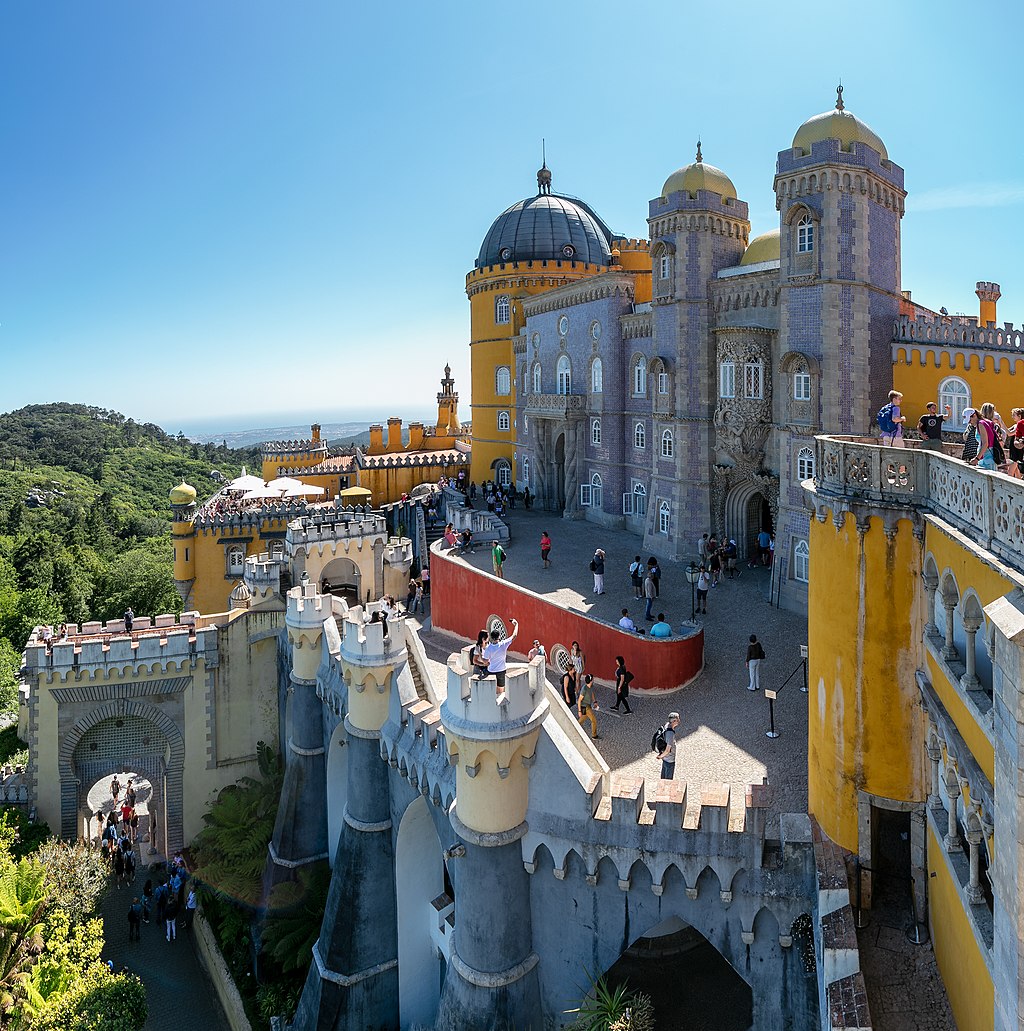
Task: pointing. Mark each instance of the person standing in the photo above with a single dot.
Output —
(636, 577)
(545, 549)
(649, 595)
(496, 654)
(655, 571)
(623, 678)
(477, 657)
(535, 651)
(703, 586)
(755, 655)
(702, 549)
(190, 908)
(930, 426)
(129, 619)
(971, 440)
(586, 707)
(667, 755)
(597, 568)
(498, 559)
(134, 920)
(891, 419)
(171, 916)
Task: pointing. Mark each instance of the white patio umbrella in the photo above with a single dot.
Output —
(264, 490)
(303, 490)
(244, 483)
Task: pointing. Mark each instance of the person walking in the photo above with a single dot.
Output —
(655, 571)
(578, 660)
(649, 595)
(703, 586)
(667, 754)
(160, 896)
(147, 900)
(134, 920)
(171, 917)
(498, 559)
(636, 577)
(115, 790)
(597, 568)
(191, 902)
(586, 707)
(755, 655)
(545, 549)
(623, 678)
(119, 867)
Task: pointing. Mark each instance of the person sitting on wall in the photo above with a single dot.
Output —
(661, 628)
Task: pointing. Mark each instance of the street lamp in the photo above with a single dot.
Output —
(693, 574)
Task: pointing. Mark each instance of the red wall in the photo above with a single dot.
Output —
(462, 597)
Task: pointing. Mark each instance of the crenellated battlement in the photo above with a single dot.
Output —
(631, 244)
(477, 709)
(364, 643)
(398, 552)
(357, 524)
(307, 607)
(959, 331)
(208, 519)
(263, 571)
(419, 459)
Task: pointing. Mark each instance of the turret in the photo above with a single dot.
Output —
(988, 294)
(183, 538)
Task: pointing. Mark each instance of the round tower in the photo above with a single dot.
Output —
(492, 741)
(183, 538)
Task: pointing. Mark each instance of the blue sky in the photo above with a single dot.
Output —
(239, 213)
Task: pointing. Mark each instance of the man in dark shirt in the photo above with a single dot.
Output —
(930, 426)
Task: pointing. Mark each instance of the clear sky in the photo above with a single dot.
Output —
(235, 212)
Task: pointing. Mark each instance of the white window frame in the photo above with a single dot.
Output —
(640, 378)
(595, 431)
(805, 235)
(275, 550)
(801, 561)
(664, 517)
(727, 379)
(502, 310)
(526, 470)
(596, 491)
(503, 473)
(801, 386)
(236, 560)
(668, 444)
(504, 422)
(627, 504)
(753, 381)
(805, 464)
(640, 436)
(596, 377)
(503, 381)
(666, 266)
(639, 498)
(564, 370)
(662, 382)
(586, 495)
(957, 399)
(537, 382)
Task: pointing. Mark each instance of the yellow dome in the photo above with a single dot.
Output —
(838, 124)
(183, 494)
(699, 176)
(765, 247)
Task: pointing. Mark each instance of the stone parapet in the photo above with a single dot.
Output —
(957, 331)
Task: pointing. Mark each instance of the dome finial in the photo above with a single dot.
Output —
(699, 157)
(839, 96)
(543, 173)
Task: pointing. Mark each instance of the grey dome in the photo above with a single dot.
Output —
(542, 228)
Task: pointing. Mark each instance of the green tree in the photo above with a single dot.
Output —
(14, 516)
(99, 1001)
(138, 579)
(19, 613)
(23, 902)
(296, 911)
(76, 874)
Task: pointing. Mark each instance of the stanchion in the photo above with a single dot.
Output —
(859, 919)
(771, 695)
(917, 932)
(803, 655)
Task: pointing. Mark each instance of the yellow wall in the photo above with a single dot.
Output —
(865, 729)
(961, 964)
(390, 483)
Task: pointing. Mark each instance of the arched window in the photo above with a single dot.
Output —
(596, 491)
(640, 377)
(564, 375)
(664, 517)
(666, 266)
(503, 421)
(805, 235)
(502, 380)
(667, 444)
(503, 473)
(236, 560)
(954, 392)
(805, 464)
(801, 385)
(502, 310)
(595, 431)
(536, 378)
(801, 556)
(526, 471)
(596, 377)
(639, 499)
(639, 436)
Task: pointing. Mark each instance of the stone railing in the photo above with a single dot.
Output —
(988, 506)
(555, 405)
(956, 330)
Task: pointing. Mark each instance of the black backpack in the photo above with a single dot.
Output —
(659, 742)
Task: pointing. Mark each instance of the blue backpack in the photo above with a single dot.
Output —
(885, 423)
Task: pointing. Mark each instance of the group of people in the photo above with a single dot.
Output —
(119, 831)
(170, 897)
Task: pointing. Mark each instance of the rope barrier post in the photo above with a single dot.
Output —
(803, 655)
(771, 696)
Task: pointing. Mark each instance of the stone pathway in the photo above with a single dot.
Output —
(178, 993)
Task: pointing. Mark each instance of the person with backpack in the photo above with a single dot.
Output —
(134, 920)
(597, 568)
(890, 420)
(623, 678)
(989, 450)
(755, 654)
(498, 559)
(664, 745)
(636, 577)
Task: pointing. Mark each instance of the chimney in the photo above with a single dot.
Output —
(394, 434)
(376, 440)
(415, 436)
(988, 294)
(315, 433)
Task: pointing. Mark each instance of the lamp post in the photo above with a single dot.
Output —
(693, 574)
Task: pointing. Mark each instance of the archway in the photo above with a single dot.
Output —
(99, 803)
(420, 880)
(337, 788)
(558, 483)
(747, 513)
(341, 576)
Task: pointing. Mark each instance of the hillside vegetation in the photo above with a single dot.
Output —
(84, 518)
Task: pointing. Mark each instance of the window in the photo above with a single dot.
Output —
(526, 472)
(276, 549)
(753, 387)
(662, 382)
(503, 421)
(564, 375)
(666, 266)
(801, 556)
(805, 235)
(586, 494)
(596, 491)
(236, 560)
(634, 503)
(640, 377)
(596, 377)
(667, 444)
(502, 310)
(502, 380)
(954, 392)
(536, 378)
(639, 436)
(805, 464)
(595, 431)
(801, 386)
(503, 473)
(727, 379)
(664, 517)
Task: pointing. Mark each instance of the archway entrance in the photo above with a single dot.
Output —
(747, 513)
(420, 879)
(558, 483)
(341, 576)
(149, 803)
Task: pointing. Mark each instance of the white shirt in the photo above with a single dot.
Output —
(627, 624)
(495, 654)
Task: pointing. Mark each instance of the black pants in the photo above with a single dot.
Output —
(622, 697)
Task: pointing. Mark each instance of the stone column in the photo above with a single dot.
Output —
(931, 585)
(975, 895)
(969, 681)
(951, 841)
(949, 649)
(935, 757)
(353, 980)
(571, 485)
(492, 981)
(300, 830)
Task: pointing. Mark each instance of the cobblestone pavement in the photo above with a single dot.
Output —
(178, 993)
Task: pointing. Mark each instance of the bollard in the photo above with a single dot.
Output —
(771, 696)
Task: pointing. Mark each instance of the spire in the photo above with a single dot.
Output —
(543, 173)
(699, 156)
(839, 96)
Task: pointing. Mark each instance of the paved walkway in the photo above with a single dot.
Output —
(178, 992)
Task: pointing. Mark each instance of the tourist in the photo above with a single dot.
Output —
(410, 594)
(115, 790)
(569, 686)
(545, 549)
(636, 577)
(597, 568)
(715, 566)
(477, 658)
(498, 559)
(1015, 444)
(661, 628)
(890, 420)
(702, 549)
(527, 499)
(971, 441)
(118, 866)
(655, 570)
(731, 555)
(191, 903)
(930, 427)
(417, 601)
(134, 920)
(623, 678)
(626, 623)
(586, 707)
(171, 917)
(649, 595)
(160, 897)
(578, 660)
(764, 547)
(985, 456)
(450, 536)
(535, 651)
(667, 755)
(147, 900)
(703, 586)
(129, 619)
(496, 654)
(755, 655)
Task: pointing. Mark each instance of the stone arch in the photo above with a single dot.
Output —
(744, 514)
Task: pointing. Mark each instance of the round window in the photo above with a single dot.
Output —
(568, 250)
(595, 330)
(506, 253)
(560, 658)
(563, 325)
(495, 623)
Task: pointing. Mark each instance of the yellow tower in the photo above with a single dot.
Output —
(536, 245)
(183, 538)
(988, 294)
